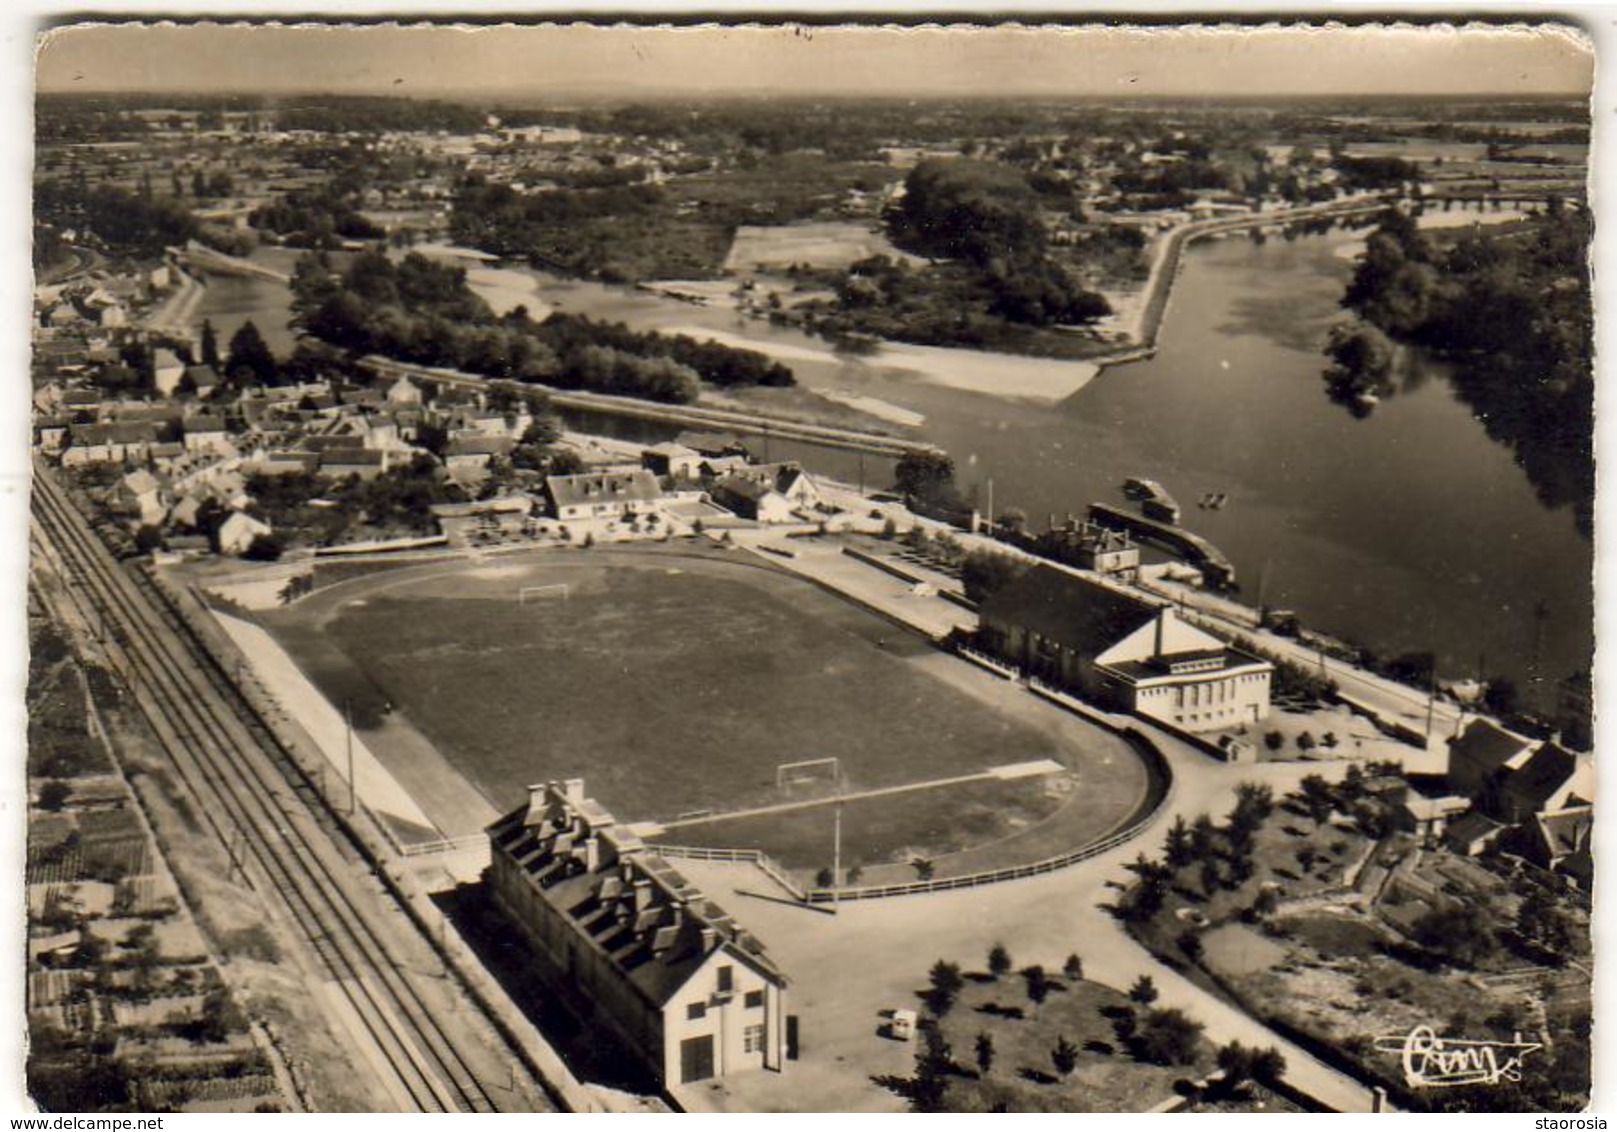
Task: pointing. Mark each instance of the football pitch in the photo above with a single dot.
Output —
(672, 684)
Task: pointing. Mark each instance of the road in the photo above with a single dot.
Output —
(370, 960)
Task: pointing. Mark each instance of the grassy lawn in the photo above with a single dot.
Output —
(889, 828)
(672, 688)
(1023, 1078)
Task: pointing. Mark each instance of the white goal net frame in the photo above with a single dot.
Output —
(549, 592)
(808, 770)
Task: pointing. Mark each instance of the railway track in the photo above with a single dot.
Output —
(237, 771)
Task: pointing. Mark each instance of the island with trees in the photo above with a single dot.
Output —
(1512, 315)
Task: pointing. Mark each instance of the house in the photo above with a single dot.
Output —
(1511, 778)
(207, 434)
(204, 381)
(597, 495)
(1545, 779)
(631, 944)
(366, 463)
(283, 462)
(141, 494)
(1478, 752)
(1429, 817)
(167, 370)
(114, 442)
(1122, 651)
(51, 432)
(1472, 832)
(404, 392)
(750, 499)
(238, 533)
(471, 451)
(1558, 840)
(1090, 546)
(673, 460)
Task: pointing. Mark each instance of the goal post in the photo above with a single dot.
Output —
(543, 593)
(804, 771)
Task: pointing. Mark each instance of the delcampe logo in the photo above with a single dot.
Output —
(1431, 1062)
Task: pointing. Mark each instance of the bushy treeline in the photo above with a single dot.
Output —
(498, 219)
(127, 223)
(1514, 312)
(420, 311)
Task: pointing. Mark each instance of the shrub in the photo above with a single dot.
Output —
(999, 960)
(1038, 983)
(1073, 968)
(1274, 740)
(1167, 1037)
(53, 795)
(1064, 1057)
(1144, 991)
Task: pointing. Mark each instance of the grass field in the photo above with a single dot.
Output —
(886, 828)
(674, 683)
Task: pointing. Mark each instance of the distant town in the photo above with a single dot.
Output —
(521, 618)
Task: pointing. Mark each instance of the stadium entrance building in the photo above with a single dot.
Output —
(635, 946)
(1123, 652)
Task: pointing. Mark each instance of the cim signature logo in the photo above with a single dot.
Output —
(1434, 1062)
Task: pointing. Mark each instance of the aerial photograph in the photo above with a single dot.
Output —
(766, 568)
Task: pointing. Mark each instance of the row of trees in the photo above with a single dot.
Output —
(420, 311)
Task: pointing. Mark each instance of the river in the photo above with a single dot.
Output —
(1406, 530)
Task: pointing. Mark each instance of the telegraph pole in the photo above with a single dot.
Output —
(348, 735)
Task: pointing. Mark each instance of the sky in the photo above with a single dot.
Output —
(631, 61)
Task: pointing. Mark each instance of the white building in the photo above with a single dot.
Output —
(632, 945)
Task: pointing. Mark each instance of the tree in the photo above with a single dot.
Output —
(1460, 933)
(983, 572)
(926, 475)
(1145, 899)
(1540, 921)
(249, 360)
(1038, 983)
(1362, 359)
(53, 795)
(1210, 877)
(265, 548)
(1167, 1037)
(1177, 849)
(1144, 991)
(985, 1053)
(1274, 740)
(1501, 697)
(210, 345)
(999, 960)
(1064, 1056)
(1073, 968)
(825, 878)
(946, 977)
(1317, 797)
(1202, 836)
